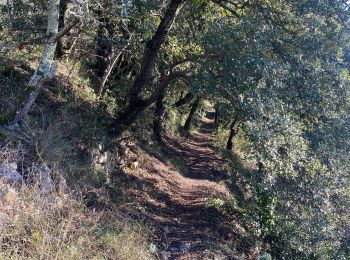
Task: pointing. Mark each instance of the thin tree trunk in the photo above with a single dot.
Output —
(9, 6)
(233, 133)
(159, 117)
(193, 110)
(114, 57)
(216, 118)
(63, 8)
(185, 100)
(109, 69)
(47, 66)
(74, 43)
(29, 102)
(104, 45)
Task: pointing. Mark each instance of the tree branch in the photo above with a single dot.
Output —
(65, 29)
(226, 7)
(152, 48)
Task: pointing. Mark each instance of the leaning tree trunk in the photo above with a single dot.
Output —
(152, 48)
(47, 66)
(193, 110)
(112, 62)
(159, 117)
(113, 58)
(104, 44)
(185, 100)
(136, 103)
(233, 133)
(128, 116)
(136, 107)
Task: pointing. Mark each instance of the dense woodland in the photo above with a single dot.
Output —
(97, 94)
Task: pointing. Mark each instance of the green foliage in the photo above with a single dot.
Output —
(5, 117)
(266, 213)
(225, 206)
(6, 70)
(280, 67)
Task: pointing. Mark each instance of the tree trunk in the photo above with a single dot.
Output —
(193, 110)
(159, 117)
(216, 118)
(152, 48)
(184, 100)
(124, 121)
(9, 6)
(147, 64)
(233, 133)
(29, 102)
(136, 107)
(47, 66)
(113, 60)
(63, 8)
(103, 44)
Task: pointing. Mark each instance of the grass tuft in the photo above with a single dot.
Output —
(61, 227)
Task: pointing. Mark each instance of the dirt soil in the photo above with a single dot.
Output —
(176, 201)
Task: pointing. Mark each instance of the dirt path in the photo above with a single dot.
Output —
(177, 202)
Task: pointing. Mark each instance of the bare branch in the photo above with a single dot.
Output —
(65, 30)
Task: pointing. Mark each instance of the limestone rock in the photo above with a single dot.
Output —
(102, 158)
(9, 174)
(124, 150)
(45, 181)
(8, 196)
(265, 256)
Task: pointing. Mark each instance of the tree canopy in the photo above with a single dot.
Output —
(276, 70)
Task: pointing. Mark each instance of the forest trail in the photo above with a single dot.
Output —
(177, 204)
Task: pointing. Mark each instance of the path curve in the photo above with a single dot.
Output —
(178, 204)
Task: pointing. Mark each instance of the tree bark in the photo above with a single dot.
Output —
(152, 48)
(27, 105)
(63, 8)
(47, 66)
(104, 45)
(9, 6)
(185, 100)
(113, 60)
(136, 107)
(128, 116)
(159, 112)
(136, 103)
(193, 110)
(233, 133)
(216, 118)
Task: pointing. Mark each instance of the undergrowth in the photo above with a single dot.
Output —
(60, 131)
(61, 227)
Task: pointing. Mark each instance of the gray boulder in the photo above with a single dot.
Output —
(9, 174)
(45, 180)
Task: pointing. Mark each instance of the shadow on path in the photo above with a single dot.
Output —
(177, 202)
